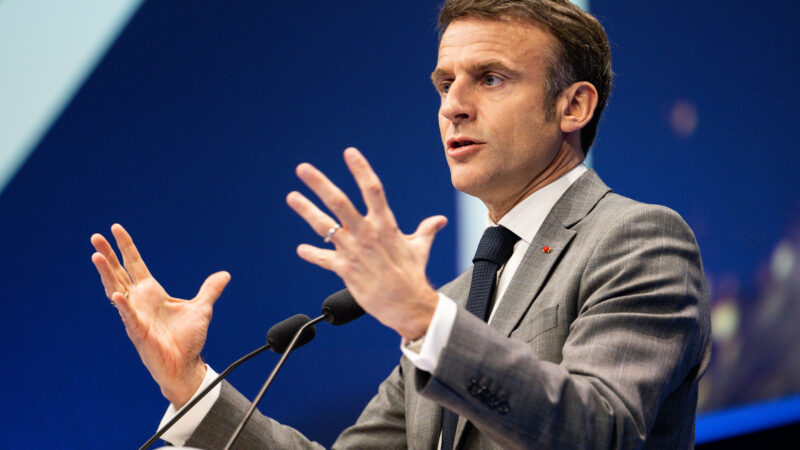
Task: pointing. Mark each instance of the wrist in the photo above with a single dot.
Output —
(418, 324)
(180, 391)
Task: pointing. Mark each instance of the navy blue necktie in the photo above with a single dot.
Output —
(496, 246)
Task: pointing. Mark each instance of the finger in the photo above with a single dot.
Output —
(320, 222)
(330, 194)
(368, 182)
(130, 318)
(107, 276)
(103, 247)
(319, 256)
(212, 288)
(122, 303)
(130, 255)
(428, 228)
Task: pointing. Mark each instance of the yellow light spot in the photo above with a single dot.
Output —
(783, 260)
(724, 320)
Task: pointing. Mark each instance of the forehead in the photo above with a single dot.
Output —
(515, 42)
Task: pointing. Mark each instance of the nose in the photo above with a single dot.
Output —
(458, 104)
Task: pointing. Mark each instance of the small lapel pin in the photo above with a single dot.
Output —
(546, 249)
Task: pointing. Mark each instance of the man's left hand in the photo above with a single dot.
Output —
(383, 268)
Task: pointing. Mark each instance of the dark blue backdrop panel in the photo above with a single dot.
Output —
(189, 131)
(735, 177)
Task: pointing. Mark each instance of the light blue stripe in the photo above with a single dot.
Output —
(471, 216)
(584, 4)
(47, 49)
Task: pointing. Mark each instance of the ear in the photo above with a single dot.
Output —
(577, 104)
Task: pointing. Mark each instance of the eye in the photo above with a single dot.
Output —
(492, 80)
(444, 87)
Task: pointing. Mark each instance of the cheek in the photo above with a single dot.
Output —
(443, 124)
(529, 128)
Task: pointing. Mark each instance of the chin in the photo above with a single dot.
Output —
(469, 185)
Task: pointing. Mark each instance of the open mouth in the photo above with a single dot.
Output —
(456, 143)
(462, 144)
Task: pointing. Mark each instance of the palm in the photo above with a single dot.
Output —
(168, 333)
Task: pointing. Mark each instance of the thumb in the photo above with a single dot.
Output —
(428, 228)
(212, 288)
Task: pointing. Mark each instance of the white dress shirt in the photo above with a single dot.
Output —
(524, 220)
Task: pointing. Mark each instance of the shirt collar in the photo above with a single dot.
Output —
(527, 216)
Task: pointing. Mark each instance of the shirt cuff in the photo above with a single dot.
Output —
(183, 429)
(424, 352)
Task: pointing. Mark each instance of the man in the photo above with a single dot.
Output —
(598, 323)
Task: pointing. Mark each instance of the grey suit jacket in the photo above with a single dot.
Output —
(598, 343)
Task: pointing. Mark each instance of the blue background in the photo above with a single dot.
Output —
(188, 133)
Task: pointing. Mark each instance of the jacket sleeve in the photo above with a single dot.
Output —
(381, 424)
(260, 432)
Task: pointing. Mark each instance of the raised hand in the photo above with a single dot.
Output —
(168, 333)
(383, 268)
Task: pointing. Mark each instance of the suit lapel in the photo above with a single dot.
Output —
(555, 234)
(536, 265)
(531, 275)
(458, 289)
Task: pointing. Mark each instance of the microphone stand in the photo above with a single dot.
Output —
(205, 391)
(271, 378)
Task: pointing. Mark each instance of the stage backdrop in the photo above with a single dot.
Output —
(188, 131)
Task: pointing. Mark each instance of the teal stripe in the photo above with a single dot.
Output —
(48, 48)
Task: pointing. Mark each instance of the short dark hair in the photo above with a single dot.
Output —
(583, 53)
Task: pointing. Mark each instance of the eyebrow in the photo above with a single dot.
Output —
(486, 66)
(438, 74)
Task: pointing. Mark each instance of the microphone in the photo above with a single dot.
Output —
(338, 309)
(281, 334)
(278, 339)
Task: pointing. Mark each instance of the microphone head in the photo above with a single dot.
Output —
(281, 334)
(340, 308)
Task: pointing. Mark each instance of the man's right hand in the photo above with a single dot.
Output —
(168, 333)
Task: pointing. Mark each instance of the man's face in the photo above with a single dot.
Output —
(491, 77)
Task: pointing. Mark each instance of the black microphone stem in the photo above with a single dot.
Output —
(205, 391)
(271, 378)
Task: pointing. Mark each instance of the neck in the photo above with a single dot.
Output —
(566, 159)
